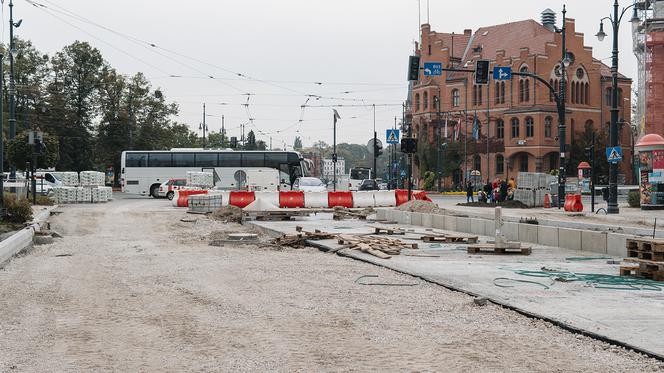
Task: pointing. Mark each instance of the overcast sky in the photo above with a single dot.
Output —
(357, 49)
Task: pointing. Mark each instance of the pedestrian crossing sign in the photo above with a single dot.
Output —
(392, 136)
(614, 154)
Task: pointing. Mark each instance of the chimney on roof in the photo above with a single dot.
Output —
(549, 19)
(467, 32)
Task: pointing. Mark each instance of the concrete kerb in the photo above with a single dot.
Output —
(23, 239)
(593, 241)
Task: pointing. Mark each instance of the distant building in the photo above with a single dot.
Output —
(315, 159)
(328, 168)
(516, 122)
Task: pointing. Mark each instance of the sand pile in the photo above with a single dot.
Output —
(228, 213)
(421, 206)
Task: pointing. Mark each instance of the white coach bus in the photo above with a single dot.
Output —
(143, 171)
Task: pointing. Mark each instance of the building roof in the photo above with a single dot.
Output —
(510, 37)
(457, 42)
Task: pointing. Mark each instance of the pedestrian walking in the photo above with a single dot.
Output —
(469, 192)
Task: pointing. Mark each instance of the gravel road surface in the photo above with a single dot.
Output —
(131, 288)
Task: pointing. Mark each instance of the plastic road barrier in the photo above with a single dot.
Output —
(181, 198)
(241, 199)
(385, 198)
(267, 198)
(315, 200)
(340, 199)
(291, 200)
(363, 199)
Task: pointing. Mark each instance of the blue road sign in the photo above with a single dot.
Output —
(614, 155)
(392, 136)
(502, 73)
(403, 173)
(433, 68)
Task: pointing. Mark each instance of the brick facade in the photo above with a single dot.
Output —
(522, 120)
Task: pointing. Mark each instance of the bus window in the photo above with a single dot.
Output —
(136, 160)
(293, 159)
(159, 160)
(253, 160)
(183, 160)
(275, 160)
(206, 159)
(230, 159)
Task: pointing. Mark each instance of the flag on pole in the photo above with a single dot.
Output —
(476, 128)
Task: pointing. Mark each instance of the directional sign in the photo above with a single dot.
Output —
(433, 69)
(614, 155)
(502, 73)
(392, 137)
(403, 173)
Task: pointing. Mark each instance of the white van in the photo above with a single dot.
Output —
(45, 182)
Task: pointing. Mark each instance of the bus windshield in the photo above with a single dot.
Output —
(359, 173)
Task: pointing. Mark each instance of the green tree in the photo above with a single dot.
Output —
(19, 151)
(73, 100)
(578, 154)
(297, 145)
(251, 141)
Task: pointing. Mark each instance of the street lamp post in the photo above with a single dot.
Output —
(612, 205)
(560, 103)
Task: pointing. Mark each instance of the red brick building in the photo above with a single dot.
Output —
(518, 117)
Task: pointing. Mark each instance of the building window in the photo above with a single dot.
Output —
(607, 97)
(456, 98)
(500, 164)
(417, 102)
(530, 127)
(425, 100)
(477, 162)
(551, 93)
(436, 104)
(574, 92)
(497, 94)
(502, 92)
(429, 49)
(521, 90)
(515, 128)
(527, 95)
(524, 86)
(523, 162)
(500, 129)
(548, 123)
(586, 101)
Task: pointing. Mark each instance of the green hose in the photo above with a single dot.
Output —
(596, 280)
(581, 258)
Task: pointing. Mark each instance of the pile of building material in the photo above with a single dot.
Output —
(200, 179)
(92, 178)
(68, 194)
(69, 178)
(298, 241)
(381, 247)
(532, 187)
(341, 213)
(204, 203)
(648, 253)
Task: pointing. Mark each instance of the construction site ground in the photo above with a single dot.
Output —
(632, 316)
(133, 287)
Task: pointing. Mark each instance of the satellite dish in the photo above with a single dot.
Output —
(370, 145)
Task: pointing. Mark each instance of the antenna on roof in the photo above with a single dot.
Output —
(428, 12)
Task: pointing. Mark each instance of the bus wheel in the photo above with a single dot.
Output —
(170, 195)
(154, 191)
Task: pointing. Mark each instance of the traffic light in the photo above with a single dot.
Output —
(589, 152)
(414, 68)
(378, 149)
(482, 72)
(233, 142)
(334, 158)
(408, 145)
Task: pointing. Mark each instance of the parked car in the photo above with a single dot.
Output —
(309, 184)
(369, 185)
(167, 188)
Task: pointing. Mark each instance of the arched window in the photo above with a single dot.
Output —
(524, 86)
(502, 92)
(527, 95)
(425, 100)
(530, 127)
(523, 162)
(521, 90)
(515, 128)
(477, 163)
(607, 97)
(548, 124)
(551, 93)
(417, 102)
(500, 164)
(585, 95)
(500, 129)
(456, 98)
(573, 92)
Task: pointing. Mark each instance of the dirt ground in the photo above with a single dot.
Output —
(131, 288)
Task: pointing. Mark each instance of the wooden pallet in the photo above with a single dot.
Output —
(276, 215)
(449, 238)
(642, 271)
(492, 249)
(389, 231)
(654, 245)
(646, 255)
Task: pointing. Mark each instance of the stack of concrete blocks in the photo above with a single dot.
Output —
(107, 193)
(64, 195)
(200, 179)
(83, 194)
(68, 178)
(91, 178)
(204, 203)
(532, 187)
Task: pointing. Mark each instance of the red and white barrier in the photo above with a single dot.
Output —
(298, 199)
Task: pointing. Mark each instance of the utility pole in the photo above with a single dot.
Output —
(375, 145)
(12, 84)
(203, 126)
(334, 151)
(2, 150)
(438, 141)
(488, 130)
(562, 169)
